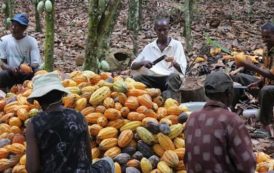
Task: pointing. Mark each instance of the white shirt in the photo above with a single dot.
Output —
(15, 51)
(151, 52)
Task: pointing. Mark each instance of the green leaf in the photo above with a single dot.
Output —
(216, 44)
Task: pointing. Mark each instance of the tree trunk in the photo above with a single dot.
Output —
(37, 18)
(100, 26)
(133, 23)
(250, 8)
(188, 21)
(142, 3)
(8, 12)
(49, 38)
(193, 89)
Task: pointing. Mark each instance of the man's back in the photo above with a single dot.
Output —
(217, 142)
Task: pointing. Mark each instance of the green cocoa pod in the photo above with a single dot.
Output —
(48, 6)
(105, 65)
(4, 6)
(40, 6)
(8, 21)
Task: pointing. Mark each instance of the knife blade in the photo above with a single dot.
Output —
(158, 59)
(239, 87)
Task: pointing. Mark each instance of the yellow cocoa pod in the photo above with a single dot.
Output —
(80, 104)
(19, 169)
(131, 125)
(95, 153)
(175, 130)
(145, 135)
(117, 168)
(107, 132)
(99, 95)
(158, 149)
(163, 167)
(165, 142)
(112, 152)
(180, 152)
(125, 138)
(171, 158)
(179, 142)
(146, 166)
(108, 143)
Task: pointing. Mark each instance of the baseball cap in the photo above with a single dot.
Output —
(21, 19)
(218, 82)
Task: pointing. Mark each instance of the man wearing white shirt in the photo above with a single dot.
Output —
(166, 74)
(15, 49)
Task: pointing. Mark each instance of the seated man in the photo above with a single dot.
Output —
(165, 74)
(216, 139)
(15, 49)
(266, 97)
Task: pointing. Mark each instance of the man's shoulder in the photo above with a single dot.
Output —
(217, 111)
(175, 42)
(6, 37)
(30, 38)
(151, 44)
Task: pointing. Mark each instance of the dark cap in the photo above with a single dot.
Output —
(21, 18)
(218, 82)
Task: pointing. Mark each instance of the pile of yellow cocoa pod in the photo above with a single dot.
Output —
(128, 122)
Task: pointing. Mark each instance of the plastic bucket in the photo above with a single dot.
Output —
(250, 113)
(194, 106)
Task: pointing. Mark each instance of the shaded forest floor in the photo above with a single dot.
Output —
(236, 28)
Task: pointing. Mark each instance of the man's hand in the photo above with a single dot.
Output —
(10, 69)
(138, 65)
(234, 72)
(25, 69)
(147, 64)
(255, 85)
(169, 59)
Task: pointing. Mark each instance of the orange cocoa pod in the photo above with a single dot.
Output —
(135, 116)
(112, 114)
(25, 68)
(145, 100)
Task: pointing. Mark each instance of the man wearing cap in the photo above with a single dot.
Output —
(217, 140)
(15, 49)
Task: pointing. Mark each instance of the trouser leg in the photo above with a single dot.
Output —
(22, 77)
(266, 100)
(173, 84)
(152, 81)
(169, 85)
(6, 79)
(244, 79)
